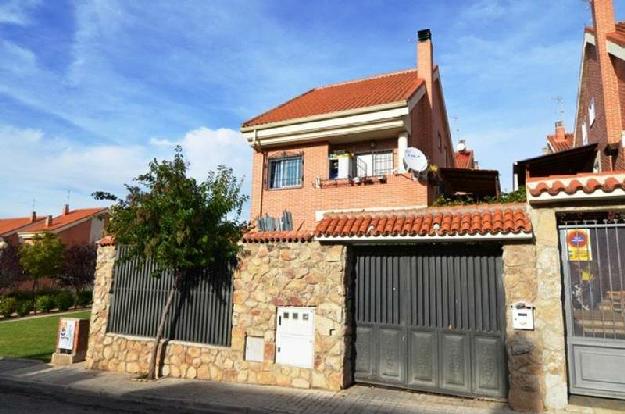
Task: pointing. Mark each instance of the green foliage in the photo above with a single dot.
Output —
(8, 306)
(24, 307)
(44, 303)
(64, 300)
(42, 258)
(84, 298)
(518, 196)
(178, 222)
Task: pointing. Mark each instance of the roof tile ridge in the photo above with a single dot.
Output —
(371, 77)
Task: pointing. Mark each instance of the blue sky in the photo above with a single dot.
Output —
(91, 90)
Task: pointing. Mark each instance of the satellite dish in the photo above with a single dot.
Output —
(415, 160)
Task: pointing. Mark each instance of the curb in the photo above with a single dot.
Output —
(102, 399)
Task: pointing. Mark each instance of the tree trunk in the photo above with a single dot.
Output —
(34, 297)
(153, 364)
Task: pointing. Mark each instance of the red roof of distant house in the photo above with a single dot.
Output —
(472, 220)
(377, 90)
(63, 220)
(464, 159)
(618, 36)
(9, 225)
(558, 145)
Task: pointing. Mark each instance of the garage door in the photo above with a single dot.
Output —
(430, 318)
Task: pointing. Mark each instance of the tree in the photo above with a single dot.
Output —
(42, 258)
(178, 222)
(10, 269)
(79, 264)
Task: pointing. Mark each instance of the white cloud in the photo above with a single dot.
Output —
(44, 168)
(207, 148)
(16, 11)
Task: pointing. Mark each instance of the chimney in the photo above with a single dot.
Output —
(48, 221)
(425, 60)
(604, 23)
(560, 132)
(66, 209)
(33, 217)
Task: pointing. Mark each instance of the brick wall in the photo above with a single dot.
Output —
(303, 202)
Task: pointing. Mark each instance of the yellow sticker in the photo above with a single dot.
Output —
(578, 245)
(587, 276)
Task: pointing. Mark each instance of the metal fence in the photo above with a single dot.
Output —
(201, 311)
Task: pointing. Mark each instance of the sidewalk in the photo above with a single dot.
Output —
(77, 383)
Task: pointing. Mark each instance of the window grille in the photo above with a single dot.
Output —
(285, 172)
(374, 163)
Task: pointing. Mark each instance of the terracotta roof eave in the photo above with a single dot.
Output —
(328, 115)
(429, 238)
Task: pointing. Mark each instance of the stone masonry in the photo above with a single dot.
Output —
(268, 276)
(536, 359)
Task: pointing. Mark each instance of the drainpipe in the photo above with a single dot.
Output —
(258, 146)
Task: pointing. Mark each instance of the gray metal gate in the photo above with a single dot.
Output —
(201, 312)
(430, 318)
(593, 263)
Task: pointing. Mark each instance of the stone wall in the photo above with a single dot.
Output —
(524, 348)
(268, 276)
(536, 359)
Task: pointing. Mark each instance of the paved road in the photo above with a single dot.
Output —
(18, 402)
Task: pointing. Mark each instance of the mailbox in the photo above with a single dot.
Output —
(523, 316)
(72, 338)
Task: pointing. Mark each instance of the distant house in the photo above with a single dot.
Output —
(560, 140)
(73, 227)
(464, 157)
(9, 227)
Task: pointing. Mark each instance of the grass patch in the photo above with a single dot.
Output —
(32, 338)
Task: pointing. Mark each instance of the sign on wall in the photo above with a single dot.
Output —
(578, 245)
(66, 334)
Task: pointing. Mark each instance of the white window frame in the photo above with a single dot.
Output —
(592, 113)
(584, 134)
(270, 179)
(369, 159)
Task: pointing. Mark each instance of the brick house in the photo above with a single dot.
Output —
(73, 227)
(560, 140)
(600, 115)
(10, 226)
(341, 146)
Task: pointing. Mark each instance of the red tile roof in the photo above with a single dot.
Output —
(618, 36)
(106, 241)
(63, 220)
(557, 145)
(454, 221)
(579, 185)
(9, 225)
(277, 236)
(464, 159)
(377, 90)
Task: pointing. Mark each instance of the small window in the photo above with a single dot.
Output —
(295, 316)
(591, 112)
(584, 134)
(285, 172)
(286, 315)
(440, 142)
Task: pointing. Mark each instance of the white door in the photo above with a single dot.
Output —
(295, 334)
